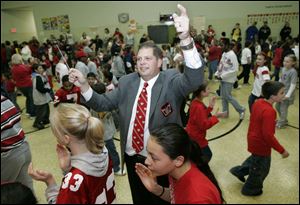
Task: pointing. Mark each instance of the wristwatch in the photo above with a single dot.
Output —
(188, 47)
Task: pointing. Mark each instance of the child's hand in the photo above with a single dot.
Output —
(64, 157)
(41, 175)
(285, 154)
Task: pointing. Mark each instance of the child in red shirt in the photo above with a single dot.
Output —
(200, 119)
(68, 93)
(191, 180)
(261, 140)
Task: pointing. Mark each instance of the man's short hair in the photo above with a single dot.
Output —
(156, 50)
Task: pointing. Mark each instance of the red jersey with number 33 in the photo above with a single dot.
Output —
(79, 188)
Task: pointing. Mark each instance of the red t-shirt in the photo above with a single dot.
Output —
(261, 138)
(215, 53)
(193, 188)
(72, 95)
(79, 188)
(199, 121)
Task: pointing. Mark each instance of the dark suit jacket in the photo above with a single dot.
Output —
(171, 87)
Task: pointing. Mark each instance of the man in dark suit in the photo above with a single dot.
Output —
(264, 32)
(166, 90)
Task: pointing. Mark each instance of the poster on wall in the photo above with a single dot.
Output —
(63, 23)
(60, 23)
(46, 24)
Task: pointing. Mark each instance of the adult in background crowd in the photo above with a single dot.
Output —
(285, 31)
(21, 74)
(264, 32)
(236, 33)
(251, 32)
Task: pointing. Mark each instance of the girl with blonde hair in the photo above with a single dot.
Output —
(82, 156)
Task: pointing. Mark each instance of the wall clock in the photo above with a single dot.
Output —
(123, 17)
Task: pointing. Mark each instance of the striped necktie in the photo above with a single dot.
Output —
(139, 122)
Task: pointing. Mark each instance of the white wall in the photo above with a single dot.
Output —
(24, 23)
(222, 15)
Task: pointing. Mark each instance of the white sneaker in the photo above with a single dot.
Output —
(120, 173)
(242, 115)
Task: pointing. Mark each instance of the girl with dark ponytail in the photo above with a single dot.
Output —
(172, 152)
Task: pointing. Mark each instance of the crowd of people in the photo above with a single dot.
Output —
(109, 87)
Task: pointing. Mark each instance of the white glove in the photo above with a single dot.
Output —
(182, 23)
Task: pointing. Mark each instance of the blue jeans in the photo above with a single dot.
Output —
(282, 109)
(213, 65)
(112, 151)
(227, 98)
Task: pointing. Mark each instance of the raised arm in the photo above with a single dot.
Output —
(194, 66)
(182, 25)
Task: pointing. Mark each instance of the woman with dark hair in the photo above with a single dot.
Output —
(172, 152)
